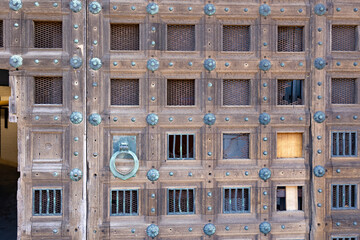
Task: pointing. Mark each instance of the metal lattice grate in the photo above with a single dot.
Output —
(124, 202)
(47, 202)
(236, 146)
(48, 34)
(124, 91)
(1, 34)
(344, 238)
(181, 146)
(236, 92)
(343, 38)
(48, 90)
(181, 201)
(343, 90)
(236, 38)
(180, 92)
(344, 144)
(124, 37)
(344, 196)
(290, 39)
(290, 92)
(181, 37)
(236, 200)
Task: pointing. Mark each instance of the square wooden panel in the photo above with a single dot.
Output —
(47, 146)
(289, 145)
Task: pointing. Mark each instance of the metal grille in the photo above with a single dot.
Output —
(236, 146)
(47, 202)
(181, 37)
(344, 144)
(181, 201)
(236, 38)
(48, 90)
(290, 39)
(344, 238)
(236, 92)
(343, 38)
(236, 200)
(125, 92)
(290, 92)
(1, 34)
(124, 202)
(181, 146)
(344, 196)
(343, 90)
(180, 92)
(124, 37)
(48, 34)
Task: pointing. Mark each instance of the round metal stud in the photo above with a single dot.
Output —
(320, 190)
(338, 117)
(152, 230)
(76, 139)
(355, 64)
(246, 173)
(76, 62)
(301, 118)
(319, 137)
(115, 119)
(152, 119)
(133, 230)
(209, 9)
(265, 207)
(282, 118)
(76, 117)
(320, 43)
(75, 5)
(338, 170)
(246, 228)
(265, 99)
(153, 99)
(320, 9)
(209, 64)
(264, 10)
(189, 8)
(152, 210)
(133, 8)
(55, 231)
(15, 5)
(319, 117)
(76, 153)
(319, 63)
(265, 193)
(319, 97)
(133, 64)
(153, 174)
(265, 85)
(76, 174)
(171, 9)
(356, 9)
(171, 119)
(265, 153)
(152, 8)
(338, 9)
(301, 64)
(246, 119)
(190, 229)
(227, 174)
(133, 119)
(319, 151)
(209, 208)
(354, 223)
(94, 7)
(209, 194)
(227, 119)
(282, 10)
(209, 119)
(190, 64)
(265, 139)
(209, 153)
(226, 9)
(282, 64)
(227, 228)
(319, 205)
(115, 64)
(265, 65)
(282, 226)
(246, 10)
(95, 119)
(95, 63)
(265, 174)
(264, 119)
(171, 174)
(319, 171)
(15, 61)
(190, 174)
(265, 227)
(355, 117)
(227, 64)
(209, 229)
(153, 64)
(300, 10)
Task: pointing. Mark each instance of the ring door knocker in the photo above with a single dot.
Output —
(123, 152)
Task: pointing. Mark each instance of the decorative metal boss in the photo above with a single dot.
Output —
(94, 7)
(209, 229)
(320, 9)
(95, 119)
(152, 8)
(319, 171)
(15, 61)
(265, 65)
(15, 4)
(152, 230)
(319, 117)
(152, 64)
(95, 63)
(75, 174)
(264, 119)
(265, 227)
(76, 62)
(209, 119)
(209, 64)
(319, 63)
(76, 117)
(264, 10)
(265, 174)
(123, 153)
(75, 6)
(153, 174)
(209, 9)
(152, 119)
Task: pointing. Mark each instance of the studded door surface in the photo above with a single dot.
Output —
(185, 119)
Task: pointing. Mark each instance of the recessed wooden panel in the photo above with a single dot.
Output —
(47, 146)
(289, 145)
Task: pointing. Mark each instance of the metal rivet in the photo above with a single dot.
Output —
(133, 63)
(37, 117)
(319, 83)
(171, 64)
(55, 231)
(338, 117)
(36, 4)
(246, 119)
(227, 64)
(56, 61)
(56, 118)
(265, 207)
(133, 230)
(171, 9)
(354, 223)
(355, 117)
(338, 170)
(133, 119)
(300, 10)
(301, 118)
(265, 193)
(95, 42)
(190, 119)
(320, 43)
(170, 119)
(189, 8)
(338, 9)
(171, 173)
(55, 5)
(282, 118)
(209, 84)
(282, 9)
(227, 119)
(190, 229)
(76, 153)
(153, 98)
(209, 153)
(209, 98)
(94, 84)
(95, 154)
(152, 43)
(265, 44)
(320, 190)
(133, 8)
(153, 29)
(283, 226)
(319, 137)
(55, 174)
(115, 63)
(209, 208)
(76, 40)
(338, 63)
(355, 64)
(226, 9)
(16, 24)
(227, 228)
(265, 153)
(115, 119)
(209, 194)
(227, 174)
(338, 224)
(319, 97)
(265, 99)
(246, 10)
(301, 64)
(153, 195)
(265, 85)
(76, 26)
(282, 64)
(190, 174)
(152, 209)
(114, 7)
(36, 61)
(319, 29)
(319, 205)
(265, 139)
(76, 139)
(319, 151)
(246, 228)
(190, 63)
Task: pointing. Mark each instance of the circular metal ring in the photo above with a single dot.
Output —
(116, 173)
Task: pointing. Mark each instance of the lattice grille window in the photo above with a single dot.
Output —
(48, 34)
(48, 90)
(343, 38)
(1, 33)
(236, 200)
(236, 38)
(290, 39)
(344, 196)
(344, 238)
(290, 92)
(124, 37)
(124, 202)
(47, 202)
(343, 90)
(236, 146)
(236, 92)
(180, 92)
(181, 146)
(125, 92)
(344, 144)
(181, 201)
(181, 37)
